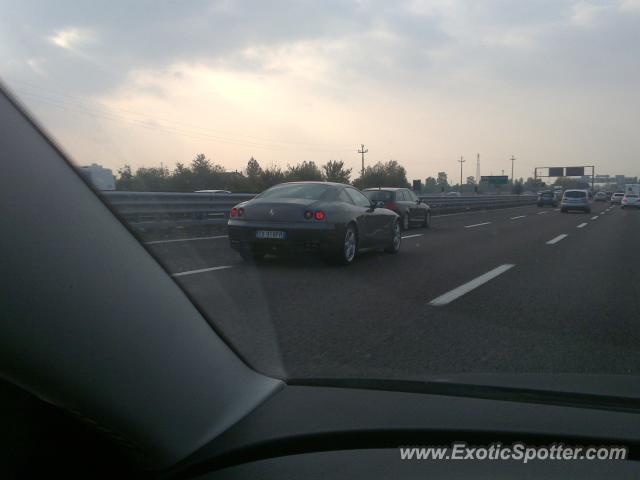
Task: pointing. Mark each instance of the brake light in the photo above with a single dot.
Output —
(319, 215)
(234, 212)
(308, 214)
(241, 212)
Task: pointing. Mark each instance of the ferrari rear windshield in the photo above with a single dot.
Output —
(308, 191)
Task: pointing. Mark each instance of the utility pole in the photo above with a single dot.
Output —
(478, 170)
(461, 161)
(513, 159)
(362, 151)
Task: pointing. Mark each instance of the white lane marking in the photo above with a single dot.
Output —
(477, 225)
(594, 218)
(415, 235)
(497, 210)
(519, 216)
(542, 213)
(185, 239)
(556, 209)
(467, 287)
(201, 270)
(582, 225)
(557, 239)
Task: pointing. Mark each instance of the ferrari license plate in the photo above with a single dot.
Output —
(271, 234)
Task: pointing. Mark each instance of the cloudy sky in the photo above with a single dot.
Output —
(552, 82)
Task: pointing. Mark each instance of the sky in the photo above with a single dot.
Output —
(552, 82)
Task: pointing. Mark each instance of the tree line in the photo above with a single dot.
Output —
(204, 174)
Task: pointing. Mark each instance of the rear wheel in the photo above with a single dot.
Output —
(396, 239)
(349, 246)
(405, 221)
(427, 220)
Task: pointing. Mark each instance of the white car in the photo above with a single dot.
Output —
(616, 198)
(630, 200)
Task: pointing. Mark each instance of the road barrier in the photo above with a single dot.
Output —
(159, 210)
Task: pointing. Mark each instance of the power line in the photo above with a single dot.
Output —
(101, 110)
(155, 126)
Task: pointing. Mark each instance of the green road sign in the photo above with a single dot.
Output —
(495, 179)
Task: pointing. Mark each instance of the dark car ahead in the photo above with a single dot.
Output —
(547, 197)
(404, 202)
(332, 218)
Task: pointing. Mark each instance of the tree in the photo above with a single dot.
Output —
(150, 179)
(304, 171)
(181, 179)
(254, 181)
(125, 178)
(334, 171)
(442, 181)
(517, 187)
(390, 174)
(430, 185)
(272, 176)
(206, 174)
(534, 184)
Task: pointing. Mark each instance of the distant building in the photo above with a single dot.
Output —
(101, 178)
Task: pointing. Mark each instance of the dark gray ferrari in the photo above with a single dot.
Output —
(332, 218)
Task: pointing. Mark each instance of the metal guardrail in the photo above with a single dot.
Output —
(157, 210)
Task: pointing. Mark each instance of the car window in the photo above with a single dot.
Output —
(344, 197)
(575, 194)
(411, 196)
(379, 195)
(358, 198)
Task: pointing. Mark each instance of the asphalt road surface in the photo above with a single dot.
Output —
(511, 291)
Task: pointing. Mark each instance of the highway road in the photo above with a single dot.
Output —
(520, 290)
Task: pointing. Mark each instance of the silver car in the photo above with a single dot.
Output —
(575, 200)
(616, 198)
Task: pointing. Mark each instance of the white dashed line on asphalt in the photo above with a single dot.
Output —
(582, 225)
(519, 216)
(415, 235)
(467, 287)
(477, 225)
(557, 239)
(542, 213)
(594, 218)
(556, 209)
(201, 270)
(155, 242)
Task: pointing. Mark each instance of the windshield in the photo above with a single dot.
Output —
(480, 108)
(379, 195)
